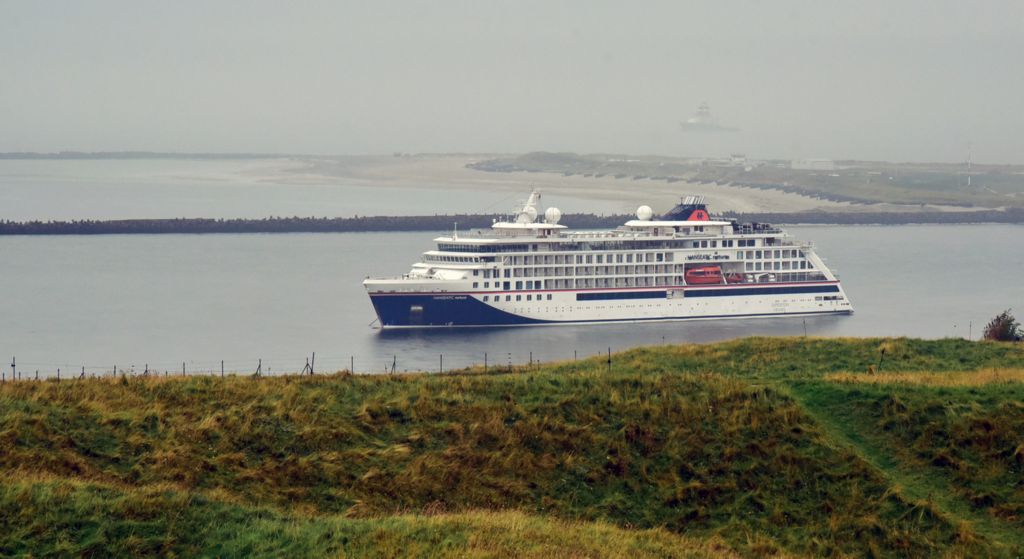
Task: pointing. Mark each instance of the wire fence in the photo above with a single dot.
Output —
(311, 365)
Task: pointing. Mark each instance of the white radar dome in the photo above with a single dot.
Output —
(552, 215)
(644, 213)
(531, 213)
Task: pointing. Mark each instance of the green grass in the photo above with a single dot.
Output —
(741, 445)
(61, 518)
(961, 448)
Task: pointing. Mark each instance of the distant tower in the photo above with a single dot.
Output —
(970, 145)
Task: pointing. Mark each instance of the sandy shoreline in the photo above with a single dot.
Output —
(450, 172)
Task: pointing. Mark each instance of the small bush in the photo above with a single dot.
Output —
(1003, 328)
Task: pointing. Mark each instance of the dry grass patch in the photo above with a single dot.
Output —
(950, 378)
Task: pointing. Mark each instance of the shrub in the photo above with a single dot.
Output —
(1003, 328)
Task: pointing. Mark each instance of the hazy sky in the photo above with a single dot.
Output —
(871, 80)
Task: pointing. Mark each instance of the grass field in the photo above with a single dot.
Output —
(991, 186)
(753, 448)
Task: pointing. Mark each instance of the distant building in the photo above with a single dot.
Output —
(812, 165)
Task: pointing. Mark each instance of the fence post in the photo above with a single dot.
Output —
(221, 368)
(352, 364)
(485, 361)
(609, 359)
(440, 367)
(58, 375)
(182, 368)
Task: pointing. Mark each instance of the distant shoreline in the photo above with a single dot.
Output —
(118, 155)
(467, 221)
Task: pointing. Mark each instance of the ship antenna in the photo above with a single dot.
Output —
(455, 232)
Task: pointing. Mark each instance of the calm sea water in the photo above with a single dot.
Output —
(119, 189)
(130, 300)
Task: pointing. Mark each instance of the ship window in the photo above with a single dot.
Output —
(487, 284)
(549, 296)
(519, 285)
(776, 254)
(476, 272)
(590, 259)
(476, 284)
(519, 297)
(600, 259)
(529, 297)
(703, 244)
(485, 298)
(714, 244)
(508, 298)
(506, 286)
(758, 267)
(803, 265)
(661, 257)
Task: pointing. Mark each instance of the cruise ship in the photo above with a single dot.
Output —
(683, 265)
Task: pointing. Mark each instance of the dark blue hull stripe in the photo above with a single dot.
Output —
(607, 295)
(417, 310)
(737, 292)
(725, 292)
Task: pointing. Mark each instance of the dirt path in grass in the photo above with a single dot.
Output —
(913, 484)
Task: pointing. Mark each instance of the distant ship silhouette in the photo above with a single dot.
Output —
(703, 121)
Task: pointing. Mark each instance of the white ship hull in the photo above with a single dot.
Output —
(424, 310)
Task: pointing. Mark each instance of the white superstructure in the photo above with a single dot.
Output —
(683, 265)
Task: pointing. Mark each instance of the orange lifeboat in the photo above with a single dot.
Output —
(704, 275)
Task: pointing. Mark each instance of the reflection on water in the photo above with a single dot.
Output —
(166, 299)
